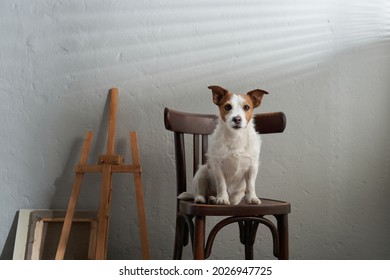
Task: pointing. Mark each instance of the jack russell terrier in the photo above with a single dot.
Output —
(233, 155)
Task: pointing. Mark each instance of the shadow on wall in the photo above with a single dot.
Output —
(90, 188)
(9, 244)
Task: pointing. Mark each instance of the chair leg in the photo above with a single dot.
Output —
(199, 238)
(248, 231)
(179, 238)
(248, 252)
(282, 222)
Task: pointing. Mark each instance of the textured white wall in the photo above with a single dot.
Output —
(326, 64)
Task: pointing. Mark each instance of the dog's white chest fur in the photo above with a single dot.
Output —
(235, 152)
(236, 155)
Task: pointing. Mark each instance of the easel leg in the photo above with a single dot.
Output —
(139, 197)
(73, 199)
(105, 198)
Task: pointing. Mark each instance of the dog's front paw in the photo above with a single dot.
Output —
(253, 200)
(223, 199)
(200, 199)
(212, 200)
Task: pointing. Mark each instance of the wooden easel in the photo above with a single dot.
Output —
(108, 164)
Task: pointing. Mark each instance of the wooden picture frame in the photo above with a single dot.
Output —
(44, 230)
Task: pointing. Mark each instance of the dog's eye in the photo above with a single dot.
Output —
(246, 107)
(228, 107)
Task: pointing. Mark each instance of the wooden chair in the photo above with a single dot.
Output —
(191, 217)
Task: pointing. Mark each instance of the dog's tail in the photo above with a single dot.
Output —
(186, 196)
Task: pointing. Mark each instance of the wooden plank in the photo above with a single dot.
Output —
(110, 159)
(122, 168)
(21, 234)
(84, 168)
(112, 121)
(92, 240)
(102, 231)
(139, 197)
(126, 168)
(60, 219)
(36, 248)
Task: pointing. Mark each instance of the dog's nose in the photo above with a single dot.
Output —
(237, 120)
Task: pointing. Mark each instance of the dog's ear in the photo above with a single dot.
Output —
(257, 95)
(218, 94)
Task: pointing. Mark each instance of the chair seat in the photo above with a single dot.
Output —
(267, 207)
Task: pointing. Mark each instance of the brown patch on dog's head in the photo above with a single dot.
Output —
(248, 106)
(253, 99)
(219, 94)
(221, 98)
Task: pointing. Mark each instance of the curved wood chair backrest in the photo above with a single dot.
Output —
(204, 124)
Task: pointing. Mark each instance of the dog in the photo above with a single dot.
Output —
(233, 156)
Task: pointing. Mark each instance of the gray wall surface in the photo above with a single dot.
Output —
(326, 64)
